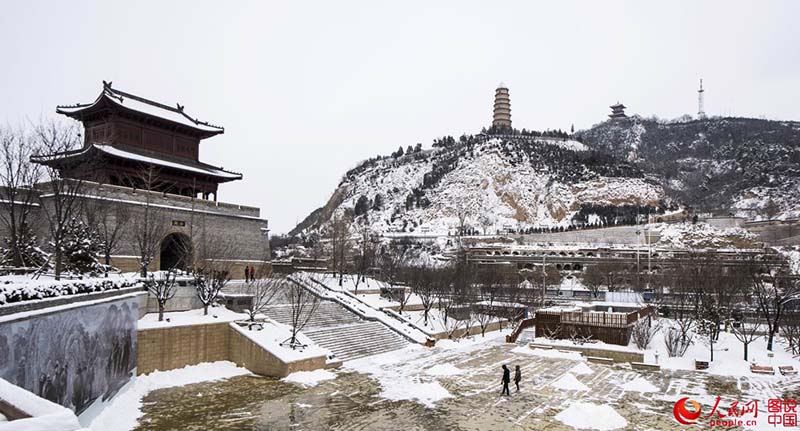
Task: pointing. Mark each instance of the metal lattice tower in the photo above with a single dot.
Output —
(701, 113)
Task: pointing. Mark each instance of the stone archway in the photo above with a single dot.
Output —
(175, 250)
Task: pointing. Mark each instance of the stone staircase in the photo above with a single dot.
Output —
(342, 332)
(327, 314)
(357, 340)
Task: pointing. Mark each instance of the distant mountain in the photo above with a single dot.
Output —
(715, 164)
(492, 183)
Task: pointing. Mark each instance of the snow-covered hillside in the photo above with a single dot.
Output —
(747, 166)
(493, 183)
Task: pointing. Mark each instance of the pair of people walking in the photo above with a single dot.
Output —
(507, 379)
(249, 273)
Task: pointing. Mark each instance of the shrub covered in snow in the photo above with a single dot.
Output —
(16, 289)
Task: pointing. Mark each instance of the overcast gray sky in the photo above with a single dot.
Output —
(305, 90)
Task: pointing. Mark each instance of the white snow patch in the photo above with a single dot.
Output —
(568, 382)
(581, 369)
(556, 354)
(640, 384)
(426, 394)
(444, 370)
(309, 378)
(123, 411)
(399, 377)
(591, 416)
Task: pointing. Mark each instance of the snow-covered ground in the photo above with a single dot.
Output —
(190, 317)
(703, 235)
(309, 378)
(272, 334)
(123, 411)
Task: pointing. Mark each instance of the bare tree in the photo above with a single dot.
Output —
(486, 221)
(771, 209)
(61, 197)
(262, 290)
(425, 282)
(392, 267)
(212, 261)
(463, 210)
(772, 294)
(790, 330)
(109, 219)
(366, 253)
(747, 333)
(593, 279)
(303, 304)
(17, 196)
(339, 235)
(162, 288)
(678, 336)
(150, 226)
(611, 274)
(643, 332)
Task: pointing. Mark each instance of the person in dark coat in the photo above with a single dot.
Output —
(246, 274)
(517, 376)
(506, 381)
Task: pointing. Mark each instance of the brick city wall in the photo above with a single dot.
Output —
(241, 225)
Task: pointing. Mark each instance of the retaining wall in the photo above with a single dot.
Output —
(616, 355)
(178, 346)
(245, 353)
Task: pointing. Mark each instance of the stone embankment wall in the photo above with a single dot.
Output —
(614, 354)
(176, 347)
(248, 354)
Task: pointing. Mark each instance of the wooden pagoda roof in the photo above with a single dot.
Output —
(191, 168)
(111, 99)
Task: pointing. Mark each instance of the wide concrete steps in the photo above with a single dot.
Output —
(327, 314)
(357, 340)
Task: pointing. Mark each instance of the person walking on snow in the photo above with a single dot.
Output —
(506, 381)
(517, 376)
(246, 274)
(252, 273)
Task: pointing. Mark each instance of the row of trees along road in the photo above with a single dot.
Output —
(751, 299)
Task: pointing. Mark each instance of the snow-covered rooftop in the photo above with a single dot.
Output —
(116, 152)
(135, 103)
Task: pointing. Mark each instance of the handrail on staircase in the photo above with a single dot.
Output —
(349, 307)
(523, 324)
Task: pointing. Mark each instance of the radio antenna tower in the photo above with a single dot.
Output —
(701, 113)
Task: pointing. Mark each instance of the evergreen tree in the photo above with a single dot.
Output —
(377, 204)
(362, 206)
(80, 248)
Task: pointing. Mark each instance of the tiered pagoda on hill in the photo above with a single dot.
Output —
(125, 135)
(617, 111)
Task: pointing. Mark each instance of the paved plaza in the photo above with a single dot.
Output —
(453, 387)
